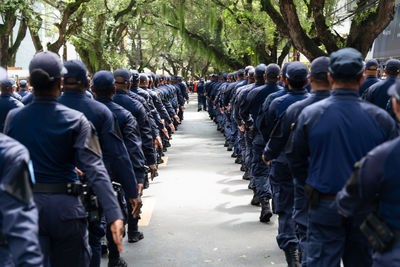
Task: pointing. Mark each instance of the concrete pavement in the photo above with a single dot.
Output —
(197, 212)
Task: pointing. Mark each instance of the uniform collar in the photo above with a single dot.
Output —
(297, 91)
(103, 99)
(121, 92)
(75, 94)
(345, 92)
(321, 92)
(44, 99)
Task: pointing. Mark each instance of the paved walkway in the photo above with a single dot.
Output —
(197, 212)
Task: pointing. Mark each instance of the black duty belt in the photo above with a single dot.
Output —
(74, 189)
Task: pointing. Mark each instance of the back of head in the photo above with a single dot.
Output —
(143, 78)
(103, 82)
(319, 71)
(392, 67)
(122, 77)
(260, 71)
(76, 76)
(297, 74)
(45, 70)
(272, 71)
(346, 65)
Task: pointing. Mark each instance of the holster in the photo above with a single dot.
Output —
(378, 233)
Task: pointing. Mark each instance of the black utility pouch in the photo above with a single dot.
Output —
(312, 195)
(379, 235)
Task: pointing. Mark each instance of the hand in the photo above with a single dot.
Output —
(158, 143)
(117, 230)
(241, 128)
(266, 162)
(182, 108)
(79, 172)
(153, 169)
(343, 214)
(228, 107)
(221, 110)
(162, 121)
(136, 204)
(177, 119)
(140, 189)
(172, 127)
(205, 94)
(187, 101)
(165, 131)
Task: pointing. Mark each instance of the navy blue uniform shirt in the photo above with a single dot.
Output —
(115, 154)
(332, 134)
(7, 103)
(377, 93)
(58, 139)
(369, 80)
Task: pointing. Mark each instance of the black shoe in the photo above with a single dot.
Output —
(167, 144)
(251, 186)
(226, 144)
(255, 201)
(230, 147)
(234, 155)
(164, 149)
(146, 183)
(292, 257)
(135, 237)
(119, 262)
(246, 176)
(243, 168)
(199, 109)
(266, 212)
(238, 160)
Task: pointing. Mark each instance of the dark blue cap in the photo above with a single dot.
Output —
(297, 71)
(12, 81)
(320, 65)
(372, 65)
(284, 69)
(134, 75)
(272, 69)
(23, 83)
(103, 80)
(125, 74)
(48, 62)
(8, 83)
(346, 63)
(260, 70)
(77, 72)
(247, 69)
(393, 65)
(143, 77)
(394, 90)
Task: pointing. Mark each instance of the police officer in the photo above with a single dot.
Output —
(280, 136)
(375, 183)
(19, 243)
(329, 137)
(377, 93)
(115, 155)
(23, 88)
(281, 179)
(249, 112)
(7, 102)
(370, 74)
(104, 88)
(201, 96)
(61, 140)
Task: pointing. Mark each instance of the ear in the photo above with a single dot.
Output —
(361, 80)
(330, 79)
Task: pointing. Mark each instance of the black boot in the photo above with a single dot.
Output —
(243, 168)
(135, 237)
(146, 183)
(118, 262)
(255, 201)
(246, 176)
(226, 143)
(199, 109)
(238, 160)
(266, 212)
(234, 155)
(292, 257)
(230, 147)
